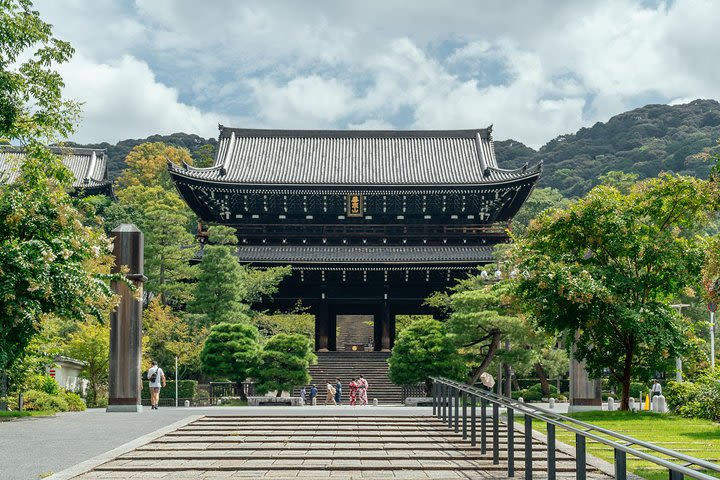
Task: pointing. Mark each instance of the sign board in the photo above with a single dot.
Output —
(712, 307)
(354, 205)
(52, 372)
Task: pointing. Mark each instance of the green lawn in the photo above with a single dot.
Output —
(698, 438)
(4, 416)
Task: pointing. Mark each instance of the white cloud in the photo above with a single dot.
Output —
(534, 69)
(122, 99)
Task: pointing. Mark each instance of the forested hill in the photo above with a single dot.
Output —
(201, 153)
(646, 141)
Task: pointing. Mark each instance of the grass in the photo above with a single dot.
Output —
(5, 416)
(694, 437)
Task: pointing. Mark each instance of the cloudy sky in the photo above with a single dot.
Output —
(535, 69)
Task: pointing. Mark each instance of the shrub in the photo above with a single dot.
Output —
(40, 401)
(186, 389)
(637, 389)
(74, 402)
(678, 394)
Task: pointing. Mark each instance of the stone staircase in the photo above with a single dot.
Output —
(346, 365)
(345, 447)
(353, 329)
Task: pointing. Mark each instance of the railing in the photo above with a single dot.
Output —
(230, 389)
(418, 390)
(448, 397)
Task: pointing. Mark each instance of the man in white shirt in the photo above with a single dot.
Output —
(656, 388)
(156, 378)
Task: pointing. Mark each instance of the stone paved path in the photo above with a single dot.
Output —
(343, 447)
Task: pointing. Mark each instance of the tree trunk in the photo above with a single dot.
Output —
(492, 349)
(515, 383)
(279, 393)
(544, 384)
(625, 400)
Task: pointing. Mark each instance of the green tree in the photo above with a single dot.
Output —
(539, 200)
(622, 181)
(231, 351)
(146, 165)
(608, 267)
(423, 350)
(163, 218)
(91, 344)
(284, 363)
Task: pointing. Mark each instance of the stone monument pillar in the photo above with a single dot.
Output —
(126, 322)
(585, 393)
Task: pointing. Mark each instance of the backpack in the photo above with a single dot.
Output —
(154, 376)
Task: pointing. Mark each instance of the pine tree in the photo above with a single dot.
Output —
(284, 363)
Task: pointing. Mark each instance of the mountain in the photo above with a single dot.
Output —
(117, 153)
(646, 141)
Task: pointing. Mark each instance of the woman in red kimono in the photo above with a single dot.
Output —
(353, 392)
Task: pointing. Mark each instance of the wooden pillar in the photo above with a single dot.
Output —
(332, 329)
(322, 320)
(385, 326)
(393, 323)
(124, 383)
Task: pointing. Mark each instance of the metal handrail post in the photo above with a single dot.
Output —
(433, 392)
(620, 465)
(443, 400)
(483, 426)
(551, 470)
(457, 410)
(496, 433)
(510, 442)
(580, 457)
(473, 422)
(676, 475)
(464, 415)
(450, 406)
(528, 448)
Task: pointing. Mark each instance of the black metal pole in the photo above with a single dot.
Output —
(464, 415)
(457, 410)
(496, 433)
(676, 475)
(510, 442)
(473, 422)
(580, 461)
(434, 397)
(443, 400)
(620, 465)
(450, 406)
(483, 426)
(551, 451)
(528, 448)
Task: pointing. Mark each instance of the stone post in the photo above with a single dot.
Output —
(126, 322)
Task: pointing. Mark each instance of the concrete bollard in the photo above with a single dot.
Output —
(654, 404)
(631, 404)
(551, 403)
(661, 404)
(521, 400)
(375, 402)
(187, 403)
(611, 404)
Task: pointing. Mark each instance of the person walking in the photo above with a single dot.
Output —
(330, 395)
(656, 389)
(156, 378)
(338, 392)
(362, 390)
(313, 394)
(303, 395)
(353, 392)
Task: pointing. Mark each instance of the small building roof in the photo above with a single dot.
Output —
(354, 157)
(69, 361)
(89, 166)
(365, 254)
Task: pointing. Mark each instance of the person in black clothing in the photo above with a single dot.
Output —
(338, 391)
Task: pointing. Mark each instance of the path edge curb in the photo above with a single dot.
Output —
(97, 460)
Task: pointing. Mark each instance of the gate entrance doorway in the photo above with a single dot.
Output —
(355, 333)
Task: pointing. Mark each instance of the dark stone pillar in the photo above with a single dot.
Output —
(585, 393)
(332, 330)
(393, 323)
(322, 321)
(126, 322)
(377, 330)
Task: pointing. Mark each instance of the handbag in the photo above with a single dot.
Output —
(154, 376)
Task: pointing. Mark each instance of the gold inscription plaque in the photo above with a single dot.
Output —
(355, 205)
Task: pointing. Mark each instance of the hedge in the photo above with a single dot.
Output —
(186, 389)
(700, 399)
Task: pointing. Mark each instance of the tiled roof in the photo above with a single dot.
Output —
(354, 157)
(89, 166)
(363, 254)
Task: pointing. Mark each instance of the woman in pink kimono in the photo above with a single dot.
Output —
(353, 392)
(362, 389)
